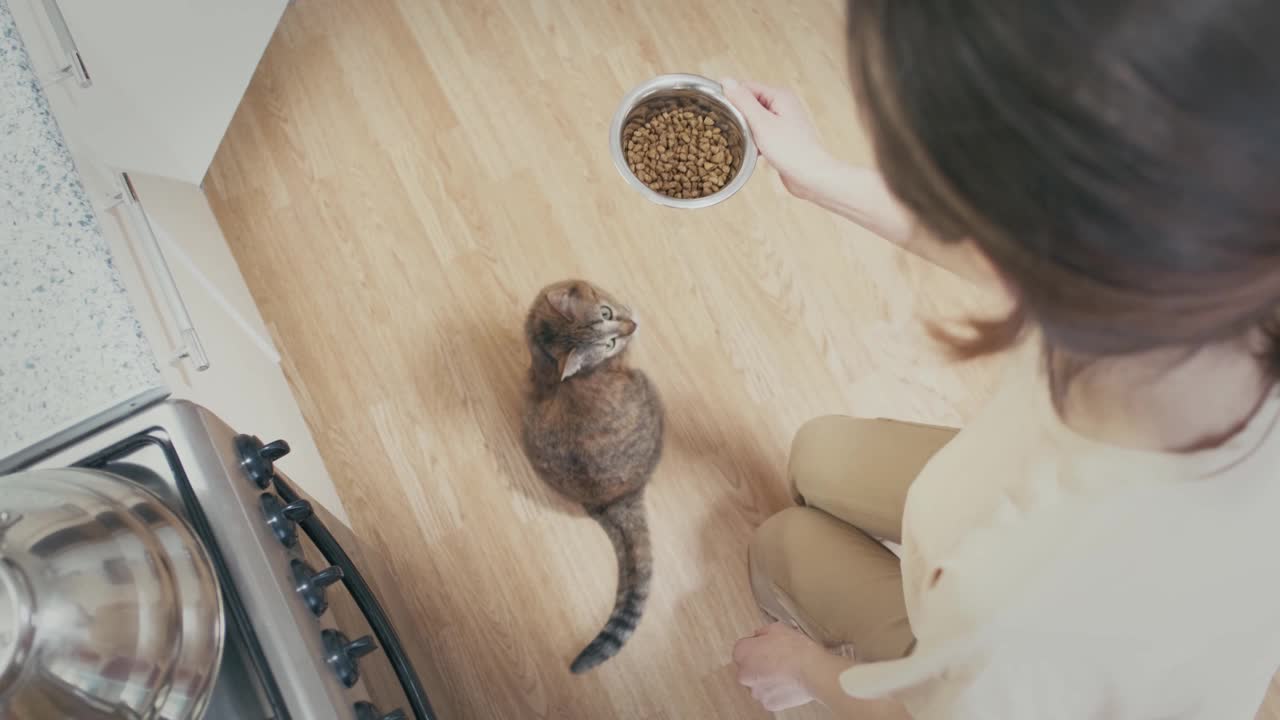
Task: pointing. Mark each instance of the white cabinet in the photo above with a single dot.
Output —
(243, 384)
(166, 75)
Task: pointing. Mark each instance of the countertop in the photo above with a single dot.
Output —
(72, 353)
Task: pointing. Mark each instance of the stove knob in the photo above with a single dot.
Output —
(342, 654)
(257, 460)
(283, 519)
(311, 584)
(368, 711)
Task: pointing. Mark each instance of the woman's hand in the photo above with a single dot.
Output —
(789, 141)
(774, 663)
(785, 135)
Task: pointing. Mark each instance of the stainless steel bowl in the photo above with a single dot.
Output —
(706, 95)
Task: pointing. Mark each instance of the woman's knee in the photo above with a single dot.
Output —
(778, 546)
(860, 469)
(822, 453)
(835, 583)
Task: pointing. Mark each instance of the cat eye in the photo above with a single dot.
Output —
(613, 342)
(606, 312)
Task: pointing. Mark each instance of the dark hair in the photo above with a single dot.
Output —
(1117, 160)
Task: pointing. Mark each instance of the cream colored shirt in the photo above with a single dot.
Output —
(1049, 576)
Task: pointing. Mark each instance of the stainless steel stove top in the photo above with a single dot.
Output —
(286, 654)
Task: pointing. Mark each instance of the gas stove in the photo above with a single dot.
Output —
(304, 629)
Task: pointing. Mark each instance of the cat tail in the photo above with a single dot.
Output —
(625, 523)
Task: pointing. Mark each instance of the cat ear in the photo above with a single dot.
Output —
(572, 363)
(561, 300)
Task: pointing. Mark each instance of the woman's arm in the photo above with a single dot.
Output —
(860, 194)
(784, 669)
(788, 140)
(823, 681)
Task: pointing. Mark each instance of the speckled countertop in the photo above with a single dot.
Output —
(71, 350)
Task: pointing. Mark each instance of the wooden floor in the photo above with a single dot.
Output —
(402, 177)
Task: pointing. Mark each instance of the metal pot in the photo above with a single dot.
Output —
(109, 607)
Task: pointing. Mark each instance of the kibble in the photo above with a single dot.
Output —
(680, 152)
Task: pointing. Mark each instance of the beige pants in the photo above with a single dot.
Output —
(817, 565)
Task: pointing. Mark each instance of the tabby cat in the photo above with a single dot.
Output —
(593, 432)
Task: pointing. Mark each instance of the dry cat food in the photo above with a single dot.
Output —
(681, 153)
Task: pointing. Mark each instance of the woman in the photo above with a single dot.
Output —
(1100, 541)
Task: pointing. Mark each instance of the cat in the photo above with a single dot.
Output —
(593, 432)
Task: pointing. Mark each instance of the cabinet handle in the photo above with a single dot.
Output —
(75, 66)
(189, 347)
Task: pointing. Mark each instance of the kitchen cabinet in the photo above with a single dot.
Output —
(170, 231)
(162, 78)
(243, 382)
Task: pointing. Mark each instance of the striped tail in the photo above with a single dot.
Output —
(624, 522)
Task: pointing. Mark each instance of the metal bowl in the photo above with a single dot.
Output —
(667, 92)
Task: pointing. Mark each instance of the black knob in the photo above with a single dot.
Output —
(311, 584)
(342, 654)
(368, 711)
(283, 519)
(274, 450)
(257, 460)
